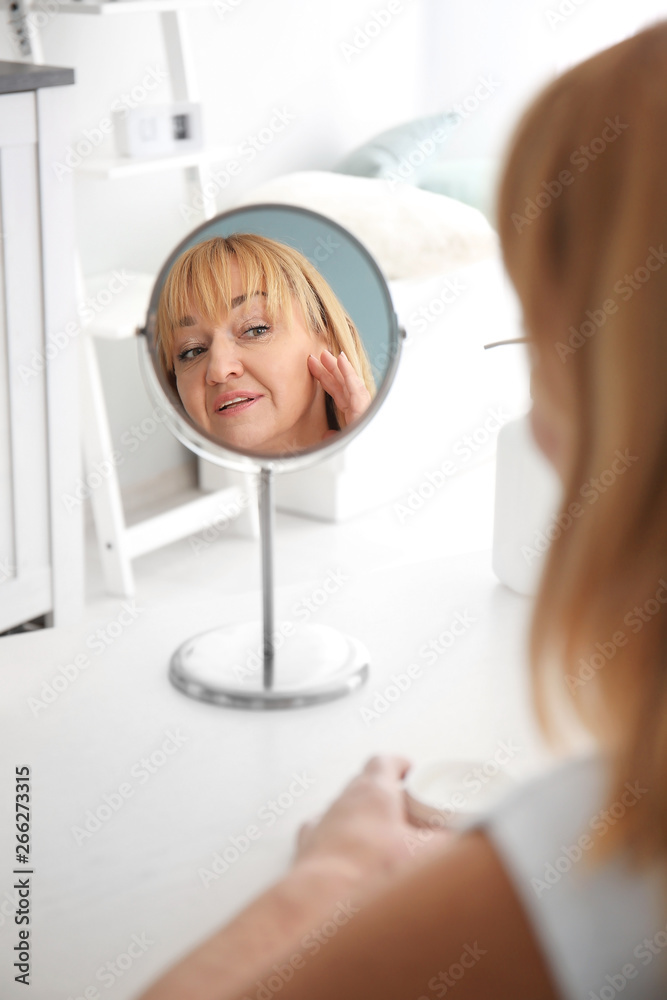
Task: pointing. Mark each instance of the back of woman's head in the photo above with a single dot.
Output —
(583, 225)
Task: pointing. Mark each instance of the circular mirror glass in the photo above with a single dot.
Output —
(270, 338)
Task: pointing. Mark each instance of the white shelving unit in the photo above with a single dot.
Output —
(118, 543)
(113, 7)
(127, 309)
(123, 318)
(117, 167)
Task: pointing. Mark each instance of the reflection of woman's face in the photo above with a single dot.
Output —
(245, 380)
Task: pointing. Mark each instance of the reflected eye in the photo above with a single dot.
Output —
(255, 332)
(190, 353)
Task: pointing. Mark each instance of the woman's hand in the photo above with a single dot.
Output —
(358, 844)
(340, 380)
(366, 832)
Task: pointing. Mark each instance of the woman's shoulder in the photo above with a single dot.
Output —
(593, 919)
(467, 914)
(552, 804)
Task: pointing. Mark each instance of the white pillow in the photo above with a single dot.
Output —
(411, 233)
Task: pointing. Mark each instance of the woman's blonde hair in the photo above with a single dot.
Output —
(201, 280)
(582, 219)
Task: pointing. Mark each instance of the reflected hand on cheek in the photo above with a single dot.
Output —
(340, 380)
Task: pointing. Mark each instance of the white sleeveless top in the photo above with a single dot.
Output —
(602, 927)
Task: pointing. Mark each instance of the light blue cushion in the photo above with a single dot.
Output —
(472, 181)
(403, 151)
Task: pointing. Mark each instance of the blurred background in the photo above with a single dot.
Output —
(335, 73)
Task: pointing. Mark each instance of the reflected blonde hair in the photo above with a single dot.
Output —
(566, 260)
(201, 280)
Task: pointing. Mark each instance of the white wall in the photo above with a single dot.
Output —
(308, 58)
(521, 44)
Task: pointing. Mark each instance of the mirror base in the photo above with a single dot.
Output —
(313, 664)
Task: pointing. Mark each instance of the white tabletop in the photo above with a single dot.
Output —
(136, 882)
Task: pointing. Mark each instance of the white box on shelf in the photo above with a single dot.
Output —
(159, 130)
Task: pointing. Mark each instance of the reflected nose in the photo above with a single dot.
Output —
(223, 360)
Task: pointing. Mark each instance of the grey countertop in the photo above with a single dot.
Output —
(15, 76)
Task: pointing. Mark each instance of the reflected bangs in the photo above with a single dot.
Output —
(201, 282)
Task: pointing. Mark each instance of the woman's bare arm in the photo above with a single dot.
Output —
(356, 848)
(268, 930)
(358, 917)
(454, 922)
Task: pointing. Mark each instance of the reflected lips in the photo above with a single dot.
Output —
(229, 403)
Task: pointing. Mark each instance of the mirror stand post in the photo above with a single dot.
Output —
(310, 664)
(265, 501)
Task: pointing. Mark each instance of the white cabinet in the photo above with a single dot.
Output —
(41, 537)
(119, 544)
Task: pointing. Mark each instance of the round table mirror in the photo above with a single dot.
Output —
(270, 341)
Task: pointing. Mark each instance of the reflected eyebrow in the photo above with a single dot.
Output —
(237, 301)
(240, 299)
